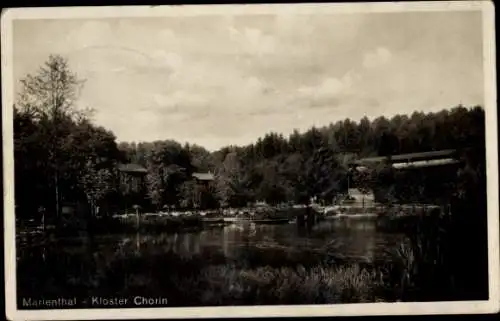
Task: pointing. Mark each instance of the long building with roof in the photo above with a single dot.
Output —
(419, 176)
(412, 160)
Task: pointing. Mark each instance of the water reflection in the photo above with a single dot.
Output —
(153, 262)
(354, 239)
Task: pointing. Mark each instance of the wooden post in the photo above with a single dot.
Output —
(137, 216)
(57, 195)
(138, 242)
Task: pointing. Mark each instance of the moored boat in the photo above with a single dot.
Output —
(256, 221)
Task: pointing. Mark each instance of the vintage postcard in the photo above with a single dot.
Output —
(208, 161)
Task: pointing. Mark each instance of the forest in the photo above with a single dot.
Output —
(62, 156)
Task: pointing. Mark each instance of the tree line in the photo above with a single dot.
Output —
(62, 156)
(316, 163)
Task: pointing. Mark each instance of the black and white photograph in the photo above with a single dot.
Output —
(250, 160)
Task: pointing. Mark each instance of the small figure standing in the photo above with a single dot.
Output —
(41, 215)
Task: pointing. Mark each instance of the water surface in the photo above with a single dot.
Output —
(126, 264)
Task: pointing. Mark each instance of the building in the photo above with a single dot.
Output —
(413, 160)
(418, 177)
(132, 177)
(203, 178)
(203, 198)
(132, 186)
(134, 191)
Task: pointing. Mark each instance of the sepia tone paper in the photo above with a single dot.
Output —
(228, 160)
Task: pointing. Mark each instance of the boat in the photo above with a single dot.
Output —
(256, 221)
(272, 221)
(213, 220)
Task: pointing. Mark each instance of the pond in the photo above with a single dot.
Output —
(157, 264)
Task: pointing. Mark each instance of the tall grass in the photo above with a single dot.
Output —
(225, 284)
(431, 264)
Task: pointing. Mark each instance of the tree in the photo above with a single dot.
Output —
(362, 179)
(98, 154)
(169, 167)
(97, 184)
(48, 97)
(52, 91)
(388, 145)
(325, 175)
(57, 148)
(272, 185)
(30, 165)
(294, 172)
(383, 176)
(230, 185)
(201, 159)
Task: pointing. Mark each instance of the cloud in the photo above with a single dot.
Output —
(330, 89)
(252, 86)
(252, 40)
(91, 32)
(167, 35)
(179, 101)
(169, 60)
(377, 57)
(351, 88)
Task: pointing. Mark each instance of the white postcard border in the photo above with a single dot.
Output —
(467, 307)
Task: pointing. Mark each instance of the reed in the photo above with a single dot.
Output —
(229, 284)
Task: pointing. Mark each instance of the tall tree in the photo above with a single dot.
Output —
(49, 96)
(230, 185)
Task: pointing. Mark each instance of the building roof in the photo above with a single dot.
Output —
(204, 176)
(410, 157)
(132, 168)
(426, 163)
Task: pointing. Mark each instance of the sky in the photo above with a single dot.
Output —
(226, 80)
